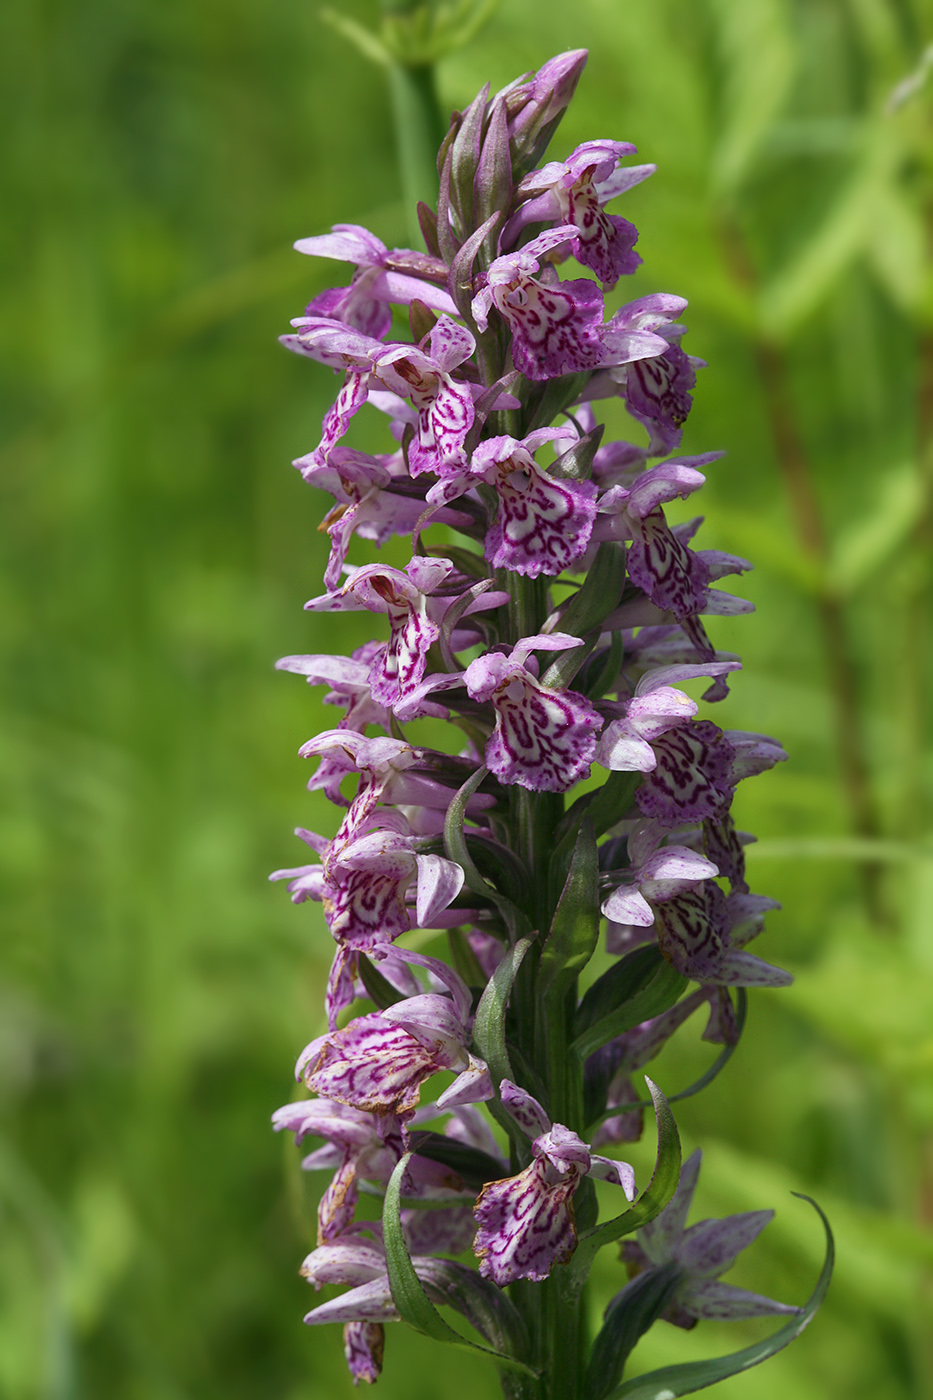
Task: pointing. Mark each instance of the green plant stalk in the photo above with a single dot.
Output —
(555, 1309)
(419, 130)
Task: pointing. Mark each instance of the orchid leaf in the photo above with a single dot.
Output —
(413, 1303)
(461, 268)
(641, 985)
(489, 1025)
(455, 845)
(628, 1317)
(378, 988)
(574, 931)
(603, 674)
(604, 807)
(663, 1184)
(472, 1166)
(561, 672)
(453, 616)
(576, 464)
(599, 593)
(671, 1381)
(493, 185)
(466, 151)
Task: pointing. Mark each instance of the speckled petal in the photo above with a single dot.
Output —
(525, 1225)
(371, 1064)
(544, 739)
(692, 778)
(363, 1347)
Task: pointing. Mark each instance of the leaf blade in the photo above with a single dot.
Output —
(688, 1377)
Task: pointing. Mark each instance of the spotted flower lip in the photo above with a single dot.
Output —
(695, 935)
(526, 1223)
(543, 524)
(421, 373)
(544, 739)
(379, 1062)
(410, 598)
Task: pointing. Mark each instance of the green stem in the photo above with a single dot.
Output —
(419, 130)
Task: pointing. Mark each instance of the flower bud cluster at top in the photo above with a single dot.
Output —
(555, 634)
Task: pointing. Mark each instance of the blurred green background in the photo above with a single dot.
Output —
(158, 160)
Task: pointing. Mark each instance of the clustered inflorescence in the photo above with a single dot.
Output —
(549, 614)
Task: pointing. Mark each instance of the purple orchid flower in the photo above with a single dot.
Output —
(369, 502)
(363, 1348)
(557, 327)
(379, 1062)
(536, 101)
(656, 873)
(544, 739)
(626, 744)
(415, 611)
(364, 889)
(364, 305)
(443, 405)
(574, 192)
(656, 389)
(391, 772)
(526, 1223)
(659, 563)
(465, 629)
(692, 777)
(543, 525)
(349, 678)
(701, 1253)
(357, 1145)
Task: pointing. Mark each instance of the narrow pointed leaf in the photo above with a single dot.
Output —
(493, 183)
(408, 1294)
(447, 241)
(453, 615)
(378, 988)
(601, 677)
(574, 931)
(628, 1317)
(559, 675)
(427, 220)
(599, 593)
(473, 1166)
(641, 985)
(547, 398)
(604, 807)
(576, 464)
(671, 1381)
(461, 267)
(489, 1025)
(465, 158)
(455, 845)
(651, 1202)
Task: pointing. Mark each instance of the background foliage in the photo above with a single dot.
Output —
(158, 161)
